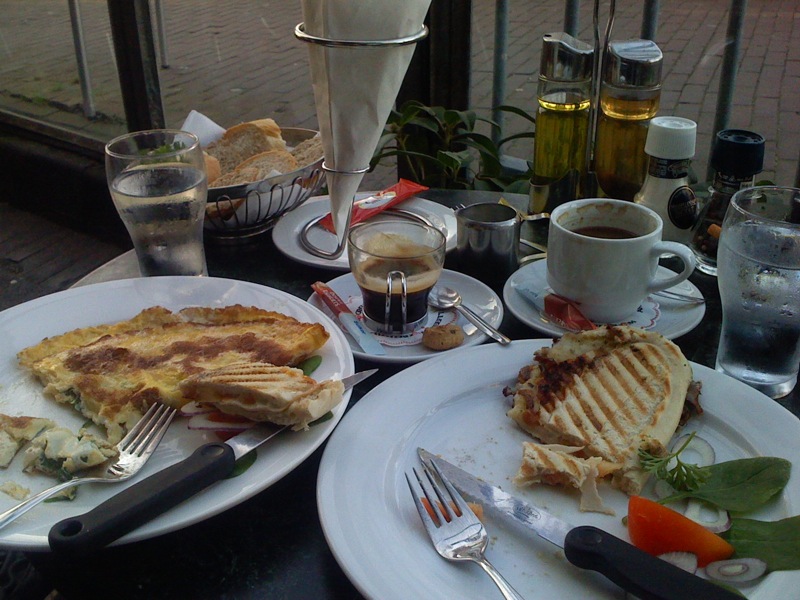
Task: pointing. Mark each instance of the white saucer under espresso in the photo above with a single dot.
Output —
(671, 318)
(408, 348)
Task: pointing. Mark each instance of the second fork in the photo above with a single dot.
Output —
(457, 534)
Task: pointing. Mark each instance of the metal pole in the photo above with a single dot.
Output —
(727, 77)
(500, 58)
(571, 17)
(80, 55)
(162, 37)
(132, 31)
(650, 20)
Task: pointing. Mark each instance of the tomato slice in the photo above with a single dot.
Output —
(657, 529)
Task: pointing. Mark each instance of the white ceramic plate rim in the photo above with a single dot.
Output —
(286, 233)
(447, 405)
(677, 318)
(29, 323)
(475, 294)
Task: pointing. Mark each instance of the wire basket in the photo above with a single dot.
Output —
(237, 213)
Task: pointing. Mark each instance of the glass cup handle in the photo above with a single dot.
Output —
(672, 249)
(390, 277)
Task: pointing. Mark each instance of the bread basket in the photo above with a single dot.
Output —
(236, 213)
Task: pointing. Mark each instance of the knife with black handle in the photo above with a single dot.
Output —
(587, 547)
(145, 500)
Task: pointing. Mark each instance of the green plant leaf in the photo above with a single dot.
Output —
(777, 543)
(517, 111)
(740, 485)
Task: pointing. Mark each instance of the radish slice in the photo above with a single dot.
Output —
(697, 511)
(213, 422)
(195, 408)
(683, 560)
(736, 570)
(697, 447)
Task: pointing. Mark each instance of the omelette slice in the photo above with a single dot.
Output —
(15, 431)
(115, 377)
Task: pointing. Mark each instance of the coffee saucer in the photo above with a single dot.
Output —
(408, 348)
(671, 318)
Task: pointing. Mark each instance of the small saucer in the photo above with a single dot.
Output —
(286, 233)
(671, 318)
(408, 348)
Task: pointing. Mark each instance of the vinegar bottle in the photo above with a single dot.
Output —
(670, 147)
(562, 120)
(630, 92)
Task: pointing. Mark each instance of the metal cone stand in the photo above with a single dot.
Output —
(336, 173)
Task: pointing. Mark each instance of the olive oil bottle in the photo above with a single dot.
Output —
(562, 120)
(630, 94)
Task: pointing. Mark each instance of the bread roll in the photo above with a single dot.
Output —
(213, 170)
(242, 141)
(266, 163)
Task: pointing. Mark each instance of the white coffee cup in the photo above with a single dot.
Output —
(608, 277)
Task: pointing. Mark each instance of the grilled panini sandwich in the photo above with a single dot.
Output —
(607, 393)
(554, 464)
(281, 395)
(112, 374)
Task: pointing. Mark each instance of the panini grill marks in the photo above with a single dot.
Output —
(566, 470)
(614, 398)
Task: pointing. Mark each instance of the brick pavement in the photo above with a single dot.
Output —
(239, 60)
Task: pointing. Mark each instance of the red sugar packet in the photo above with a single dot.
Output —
(566, 313)
(367, 207)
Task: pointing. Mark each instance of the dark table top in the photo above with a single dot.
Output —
(273, 545)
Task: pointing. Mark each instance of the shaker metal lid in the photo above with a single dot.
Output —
(633, 63)
(565, 58)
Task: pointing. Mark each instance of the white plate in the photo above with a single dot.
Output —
(671, 318)
(409, 349)
(29, 323)
(453, 406)
(286, 234)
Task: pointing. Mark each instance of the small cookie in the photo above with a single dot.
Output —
(443, 337)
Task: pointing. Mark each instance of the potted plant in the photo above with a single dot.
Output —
(440, 148)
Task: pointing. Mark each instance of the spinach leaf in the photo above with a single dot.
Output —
(310, 364)
(740, 485)
(775, 542)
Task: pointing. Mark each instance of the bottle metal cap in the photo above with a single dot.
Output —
(633, 63)
(672, 138)
(565, 58)
(738, 152)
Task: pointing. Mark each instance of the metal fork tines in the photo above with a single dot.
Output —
(456, 533)
(134, 451)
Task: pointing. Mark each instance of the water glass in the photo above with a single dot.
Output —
(158, 183)
(758, 268)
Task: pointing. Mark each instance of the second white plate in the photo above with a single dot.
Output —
(286, 233)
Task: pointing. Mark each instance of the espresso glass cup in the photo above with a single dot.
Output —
(395, 264)
(603, 254)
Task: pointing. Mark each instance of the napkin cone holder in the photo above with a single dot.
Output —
(345, 179)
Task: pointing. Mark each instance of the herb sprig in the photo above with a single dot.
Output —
(685, 477)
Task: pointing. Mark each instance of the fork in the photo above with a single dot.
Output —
(456, 534)
(134, 451)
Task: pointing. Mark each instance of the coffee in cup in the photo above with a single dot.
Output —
(603, 255)
(395, 264)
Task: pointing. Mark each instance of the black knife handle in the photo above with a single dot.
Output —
(142, 501)
(646, 576)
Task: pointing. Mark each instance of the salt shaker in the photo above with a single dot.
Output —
(670, 147)
(738, 155)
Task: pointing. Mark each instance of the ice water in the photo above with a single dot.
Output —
(759, 277)
(163, 207)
